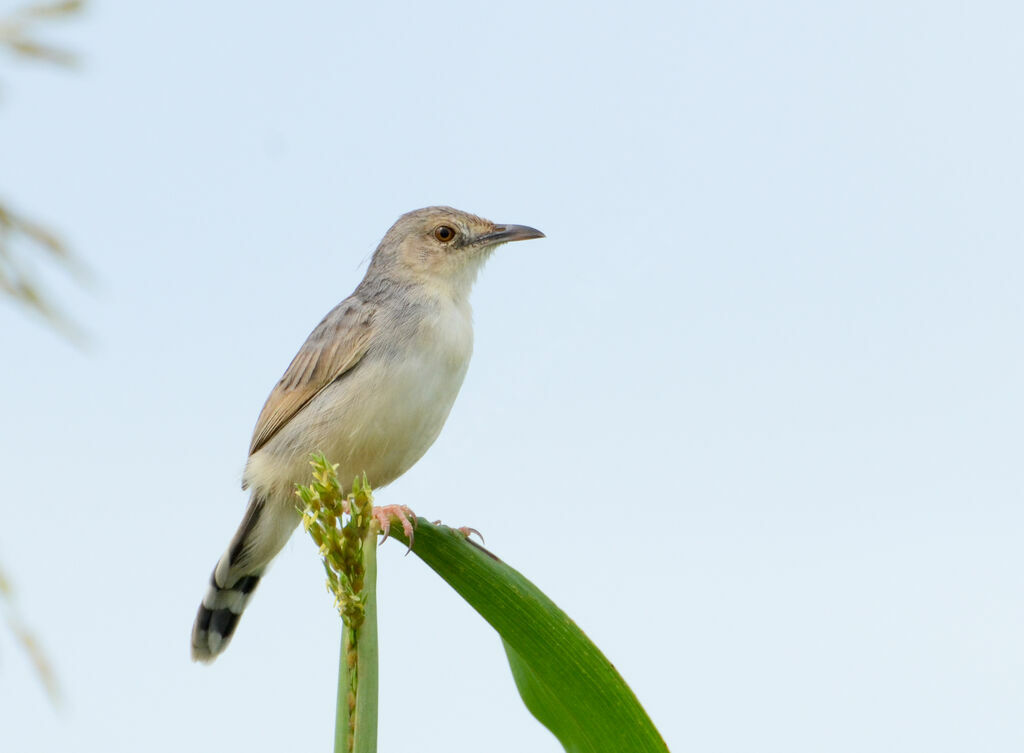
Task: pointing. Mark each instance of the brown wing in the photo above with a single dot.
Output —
(334, 347)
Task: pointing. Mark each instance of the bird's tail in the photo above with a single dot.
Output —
(219, 613)
(262, 534)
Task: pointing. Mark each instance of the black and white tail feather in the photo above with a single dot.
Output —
(263, 532)
(218, 615)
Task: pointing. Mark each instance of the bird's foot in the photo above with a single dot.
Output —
(389, 514)
(464, 530)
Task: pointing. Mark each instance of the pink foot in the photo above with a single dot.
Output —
(466, 530)
(389, 514)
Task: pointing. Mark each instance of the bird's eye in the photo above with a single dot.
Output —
(444, 233)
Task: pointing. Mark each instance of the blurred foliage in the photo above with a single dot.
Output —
(20, 237)
(17, 31)
(18, 34)
(16, 278)
(26, 639)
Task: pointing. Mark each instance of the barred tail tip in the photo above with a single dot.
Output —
(218, 616)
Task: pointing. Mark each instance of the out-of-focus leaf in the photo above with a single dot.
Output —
(32, 49)
(44, 10)
(15, 34)
(27, 640)
(564, 680)
(16, 281)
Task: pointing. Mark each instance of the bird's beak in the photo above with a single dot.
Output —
(507, 233)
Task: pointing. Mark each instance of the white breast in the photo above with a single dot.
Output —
(384, 415)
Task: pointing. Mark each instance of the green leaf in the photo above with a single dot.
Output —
(564, 680)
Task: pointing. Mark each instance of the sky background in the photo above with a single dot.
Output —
(751, 413)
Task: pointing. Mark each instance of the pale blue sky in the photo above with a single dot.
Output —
(751, 413)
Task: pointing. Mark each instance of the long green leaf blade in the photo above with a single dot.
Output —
(564, 680)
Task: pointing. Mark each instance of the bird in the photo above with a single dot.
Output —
(370, 389)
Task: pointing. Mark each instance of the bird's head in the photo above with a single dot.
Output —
(443, 247)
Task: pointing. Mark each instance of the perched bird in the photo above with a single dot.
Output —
(370, 388)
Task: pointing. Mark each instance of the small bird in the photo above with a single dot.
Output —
(370, 388)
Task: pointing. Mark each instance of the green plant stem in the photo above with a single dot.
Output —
(341, 709)
(355, 721)
(368, 676)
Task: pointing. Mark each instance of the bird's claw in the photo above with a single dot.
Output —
(389, 514)
(466, 531)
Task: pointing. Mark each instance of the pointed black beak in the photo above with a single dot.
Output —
(508, 233)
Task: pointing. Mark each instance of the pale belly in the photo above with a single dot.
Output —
(378, 420)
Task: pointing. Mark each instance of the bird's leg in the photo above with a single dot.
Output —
(388, 514)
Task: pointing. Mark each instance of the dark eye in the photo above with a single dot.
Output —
(444, 233)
